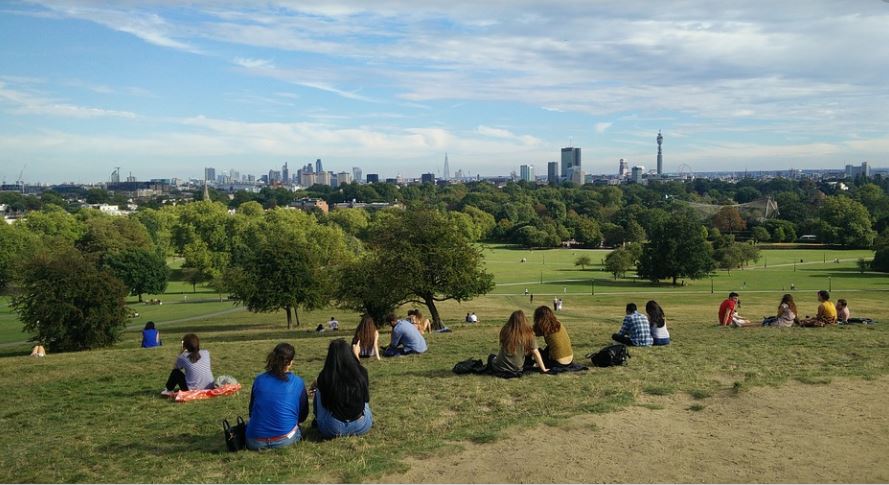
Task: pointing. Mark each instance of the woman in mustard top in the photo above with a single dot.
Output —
(558, 352)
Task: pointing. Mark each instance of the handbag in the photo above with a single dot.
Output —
(235, 437)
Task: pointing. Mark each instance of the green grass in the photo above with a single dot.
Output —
(96, 417)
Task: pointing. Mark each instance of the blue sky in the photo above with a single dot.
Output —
(163, 90)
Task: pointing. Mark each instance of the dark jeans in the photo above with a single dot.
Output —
(177, 378)
(392, 352)
(622, 339)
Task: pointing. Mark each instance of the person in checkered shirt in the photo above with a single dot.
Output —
(635, 330)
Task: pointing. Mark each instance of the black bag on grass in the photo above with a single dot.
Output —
(616, 354)
(235, 437)
(470, 366)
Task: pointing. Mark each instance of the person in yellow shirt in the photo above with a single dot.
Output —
(827, 312)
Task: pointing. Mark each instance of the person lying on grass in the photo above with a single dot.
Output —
(342, 396)
(827, 313)
(635, 330)
(516, 341)
(406, 339)
(558, 350)
(659, 333)
(366, 341)
(278, 403)
(191, 371)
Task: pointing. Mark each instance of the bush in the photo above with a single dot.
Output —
(67, 303)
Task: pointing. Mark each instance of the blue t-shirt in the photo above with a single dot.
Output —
(276, 405)
(149, 338)
(405, 333)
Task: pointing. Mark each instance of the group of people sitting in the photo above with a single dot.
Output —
(787, 315)
(642, 330)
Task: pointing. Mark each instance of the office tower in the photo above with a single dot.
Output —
(552, 172)
(447, 168)
(209, 174)
(373, 178)
(637, 174)
(307, 179)
(285, 174)
(853, 171)
(427, 178)
(357, 175)
(527, 173)
(274, 176)
(318, 166)
(323, 178)
(570, 160)
(343, 178)
(577, 175)
(660, 157)
(235, 175)
(623, 169)
(115, 176)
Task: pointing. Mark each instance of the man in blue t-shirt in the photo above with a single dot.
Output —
(406, 339)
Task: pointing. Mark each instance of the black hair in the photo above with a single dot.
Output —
(192, 344)
(824, 295)
(631, 307)
(149, 325)
(733, 294)
(343, 380)
(655, 314)
(390, 317)
(278, 359)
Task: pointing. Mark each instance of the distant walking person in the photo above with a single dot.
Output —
(192, 368)
(555, 304)
(659, 333)
(635, 330)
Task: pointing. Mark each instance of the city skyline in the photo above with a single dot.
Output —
(164, 91)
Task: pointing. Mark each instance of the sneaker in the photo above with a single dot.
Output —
(166, 393)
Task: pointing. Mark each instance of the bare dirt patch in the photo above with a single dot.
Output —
(837, 432)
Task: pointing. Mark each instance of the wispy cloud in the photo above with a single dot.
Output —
(25, 103)
(602, 126)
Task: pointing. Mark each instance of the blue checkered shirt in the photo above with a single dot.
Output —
(637, 328)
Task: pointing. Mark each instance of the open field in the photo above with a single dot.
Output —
(96, 415)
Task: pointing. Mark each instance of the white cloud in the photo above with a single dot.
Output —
(602, 126)
(26, 103)
(254, 63)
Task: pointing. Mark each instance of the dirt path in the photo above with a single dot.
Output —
(837, 432)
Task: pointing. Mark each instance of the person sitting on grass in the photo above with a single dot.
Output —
(422, 323)
(516, 342)
(150, 336)
(367, 338)
(192, 368)
(827, 313)
(278, 403)
(558, 352)
(342, 396)
(786, 316)
(635, 330)
(333, 324)
(728, 312)
(659, 333)
(843, 312)
(406, 339)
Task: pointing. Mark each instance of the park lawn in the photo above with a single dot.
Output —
(96, 416)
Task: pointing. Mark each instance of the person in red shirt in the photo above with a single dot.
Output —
(727, 309)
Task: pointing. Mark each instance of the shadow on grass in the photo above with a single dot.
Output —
(439, 373)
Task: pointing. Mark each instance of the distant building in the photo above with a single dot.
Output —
(318, 166)
(309, 204)
(357, 175)
(577, 175)
(552, 172)
(285, 174)
(636, 176)
(623, 169)
(427, 178)
(570, 161)
(852, 171)
(527, 173)
(373, 178)
(391, 180)
(209, 174)
(447, 168)
(660, 157)
(367, 206)
(323, 178)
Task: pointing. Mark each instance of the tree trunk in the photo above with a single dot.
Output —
(140, 297)
(674, 280)
(287, 309)
(193, 287)
(436, 318)
(296, 314)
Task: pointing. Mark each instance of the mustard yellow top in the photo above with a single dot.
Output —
(827, 313)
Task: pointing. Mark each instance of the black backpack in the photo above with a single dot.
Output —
(610, 355)
(470, 366)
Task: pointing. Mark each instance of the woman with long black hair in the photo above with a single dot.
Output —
(342, 395)
(278, 403)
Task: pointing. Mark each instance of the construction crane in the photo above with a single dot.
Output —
(20, 182)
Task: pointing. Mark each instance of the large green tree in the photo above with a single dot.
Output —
(366, 285)
(845, 221)
(142, 271)
(676, 249)
(68, 303)
(428, 254)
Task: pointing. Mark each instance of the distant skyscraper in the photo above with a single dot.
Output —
(357, 176)
(570, 160)
(115, 176)
(323, 178)
(637, 174)
(427, 178)
(210, 174)
(447, 169)
(285, 174)
(527, 173)
(852, 171)
(318, 166)
(552, 172)
(343, 178)
(373, 178)
(623, 170)
(660, 157)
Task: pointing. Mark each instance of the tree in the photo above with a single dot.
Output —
(863, 265)
(619, 261)
(583, 262)
(760, 234)
(16, 244)
(434, 259)
(142, 271)
(676, 248)
(728, 220)
(107, 235)
(845, 221)
(66, 302)
(366, 285)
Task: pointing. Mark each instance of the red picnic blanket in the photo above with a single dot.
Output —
(185, 396)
